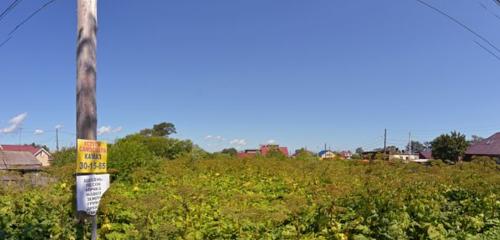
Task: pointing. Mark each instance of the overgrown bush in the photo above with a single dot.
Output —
(127, 155)
(64, 156)
(263, 198)
(168, 148)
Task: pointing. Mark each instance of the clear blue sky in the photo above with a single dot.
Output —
(302, 73)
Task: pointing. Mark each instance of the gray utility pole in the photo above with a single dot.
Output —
(409, 143)
(86, 72)
(385, 142)
(57, 139)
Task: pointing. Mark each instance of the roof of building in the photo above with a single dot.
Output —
(488, 146)
(21, 148)
(264, 149)
(426, 154)
(16, 160)
(346, 153)
(325, 151)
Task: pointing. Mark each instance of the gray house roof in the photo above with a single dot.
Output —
(10, 160)
(489, 146)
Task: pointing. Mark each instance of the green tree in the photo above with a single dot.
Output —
(359, 151)
(274, 152)
(416, 147)
(230, 151)
(168, 148)
(476, 139)
(64, 156)
(449, 146)
(163, 129)
(128, 155)
(40, 146)
(304, 154)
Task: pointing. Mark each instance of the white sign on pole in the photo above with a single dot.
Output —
(89, 190)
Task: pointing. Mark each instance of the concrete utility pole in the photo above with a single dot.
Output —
(86, 72)
(410, 150)
(57, 139)
(385, 142)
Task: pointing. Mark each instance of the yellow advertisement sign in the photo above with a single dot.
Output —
(92, 156)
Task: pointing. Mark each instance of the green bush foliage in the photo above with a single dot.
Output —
(168, 148)
(64, 156)
(264, 198)
(450, 147)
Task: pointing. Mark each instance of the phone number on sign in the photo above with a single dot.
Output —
(94, 165)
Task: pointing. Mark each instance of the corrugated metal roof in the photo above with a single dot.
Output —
(489, 146)
(10, 160)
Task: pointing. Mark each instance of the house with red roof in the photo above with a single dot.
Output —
(248, 153)
(263, 150)
(346, 154)
(40, 154)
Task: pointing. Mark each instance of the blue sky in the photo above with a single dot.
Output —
(242, 73)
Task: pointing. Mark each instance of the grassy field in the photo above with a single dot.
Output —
(227, 198)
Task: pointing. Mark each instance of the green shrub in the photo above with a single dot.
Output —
(485, 162)
(168, 148)
(128, 155)
(64, 156)
(264, 198)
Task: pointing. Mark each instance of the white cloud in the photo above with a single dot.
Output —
(118, 129)
(238, 142)
(108, 129)
(14, 122)
(214, 138)
(103, 130)
(58, 126)
(271, 141)
(38, 132)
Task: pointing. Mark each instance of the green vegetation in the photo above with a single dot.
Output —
(163, 129)
(449, 146)
(264, 198)
(165, 188)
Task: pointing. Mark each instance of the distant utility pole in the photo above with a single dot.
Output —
(385, 141)
(86, 72)
(57, 139)
(409, 143)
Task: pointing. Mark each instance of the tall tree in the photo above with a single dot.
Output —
(476, 139)
(163, 129)
(359, 151)
(449, 146)
(231, 151)
(416, 147)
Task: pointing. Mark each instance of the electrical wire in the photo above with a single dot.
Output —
(9, 9)
(24, 21)
(31, 16)
(456, 21)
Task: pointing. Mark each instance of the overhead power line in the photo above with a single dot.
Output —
(487, 50)
(456, 21)
(30, 16)
(24, 21)
(12, 5)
